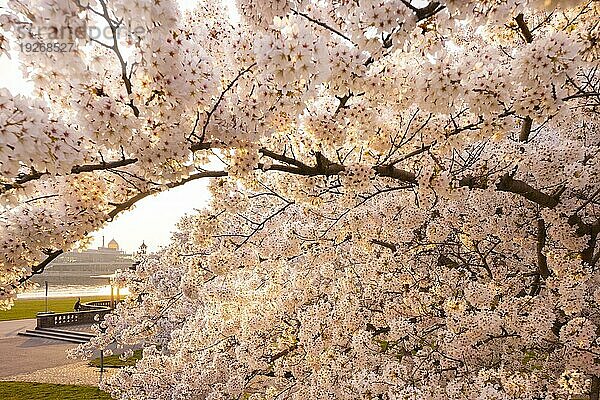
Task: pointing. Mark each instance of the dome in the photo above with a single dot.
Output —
(113, 245)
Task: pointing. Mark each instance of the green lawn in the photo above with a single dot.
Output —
(28, 308)
(114, 361)
(44, 391)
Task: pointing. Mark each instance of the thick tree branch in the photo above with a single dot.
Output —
(508, 184)
(525, 31)
(429, 10)
(104, 165)
(202, 146)
(22, 179)
(583, 229)
(541, 242)
(282, 158)
(39, 268)
(387, 245)
(390, 171)
(595, 388)
(525, 129)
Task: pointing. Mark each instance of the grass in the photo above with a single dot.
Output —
(114, 361)
(45, 391)
(28, 308)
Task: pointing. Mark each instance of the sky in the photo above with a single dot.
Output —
(153, 218)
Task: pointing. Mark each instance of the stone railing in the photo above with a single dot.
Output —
(95, 305)
(90, 313)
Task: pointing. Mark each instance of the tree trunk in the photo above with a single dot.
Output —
(595, 389)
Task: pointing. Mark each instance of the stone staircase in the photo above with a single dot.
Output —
(58, 334)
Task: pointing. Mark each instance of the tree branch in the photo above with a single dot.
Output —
(39, 268)
(429, 10)
(508, 184)
(390, 171)
(75, 170)
(541, 242)
(524, 28)
(595, 388)
(525, 129)
(25, 178)
(282, 158)
(129, 203)
(323, 25)
(122, 63)
(218, 102)
(387, 245)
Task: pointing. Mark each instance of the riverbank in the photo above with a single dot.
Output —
(28, 308)
(70, 291)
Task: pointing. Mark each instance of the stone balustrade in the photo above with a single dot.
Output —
(91, 312)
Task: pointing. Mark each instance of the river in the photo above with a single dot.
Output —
(71, 291)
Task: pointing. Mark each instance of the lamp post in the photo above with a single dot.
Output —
(46, 284)
(101, 364)
(112, 296)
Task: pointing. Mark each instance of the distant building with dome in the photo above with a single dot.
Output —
(113, 245)
(78, 267)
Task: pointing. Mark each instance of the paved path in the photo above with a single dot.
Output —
(20, 354)
(11, 328)
(42, 360)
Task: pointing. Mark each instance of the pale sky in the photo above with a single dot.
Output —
(153, 218)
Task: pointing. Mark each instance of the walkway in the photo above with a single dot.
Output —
(20, 354)
(11, 328)
(42, 360)
(23, 355)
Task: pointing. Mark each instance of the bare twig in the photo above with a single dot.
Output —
(216, 105)
(323, 25)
